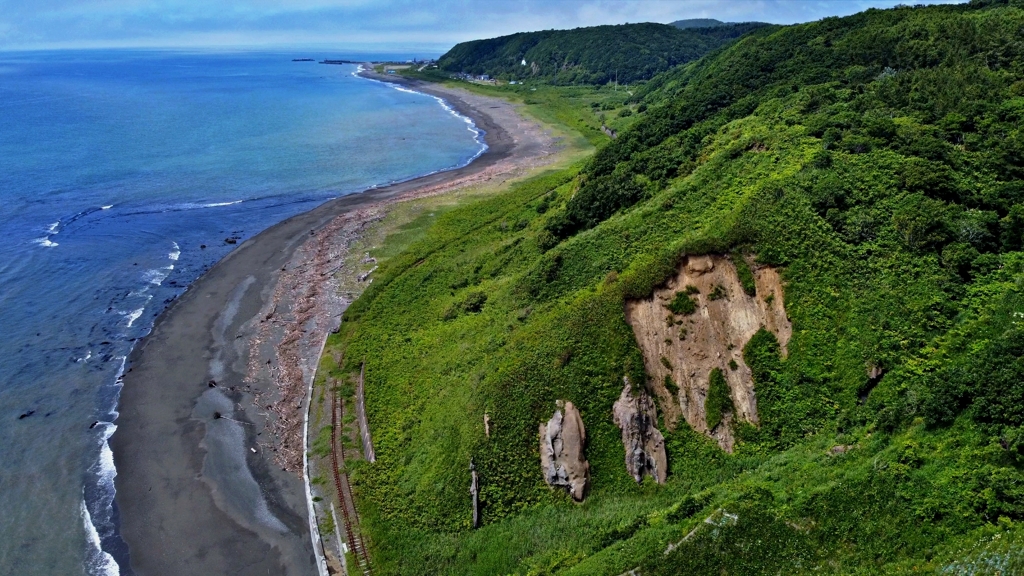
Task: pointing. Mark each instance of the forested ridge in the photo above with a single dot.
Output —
(626, 53)
(876, 162)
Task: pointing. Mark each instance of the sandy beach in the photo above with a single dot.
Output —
(209, 441)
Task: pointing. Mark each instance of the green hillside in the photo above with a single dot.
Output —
(876, 162)
(596, 55)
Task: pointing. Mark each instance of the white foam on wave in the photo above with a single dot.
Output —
(107, 207)
(104, 467)
(216, 204)
(156, 276)
(133, 315)
(98, 562)
(51, 231)
(174, 253)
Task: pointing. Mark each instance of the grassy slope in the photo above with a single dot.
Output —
(911, 493)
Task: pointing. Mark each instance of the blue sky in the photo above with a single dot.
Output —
(425, 26)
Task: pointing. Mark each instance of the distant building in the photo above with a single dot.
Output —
(524, 61)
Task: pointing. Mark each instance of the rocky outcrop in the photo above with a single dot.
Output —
(637, 416)
(561, 451)
(681, 347)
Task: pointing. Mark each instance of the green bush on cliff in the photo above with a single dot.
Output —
(718, 401)
(682, 304)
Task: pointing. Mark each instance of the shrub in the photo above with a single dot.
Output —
(474, 301)
(745, 274)
(546, 241)
(719, 401)
(717, 293)
(671, 386)
(682, 304)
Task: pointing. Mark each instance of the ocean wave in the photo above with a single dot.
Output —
(97, 562)
(51, 231)
(133, 315)
(175, 253)
(217, 204)
(156, 276)
(61, 224)
(100, 519)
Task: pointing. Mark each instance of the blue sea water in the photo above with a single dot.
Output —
(116, 169)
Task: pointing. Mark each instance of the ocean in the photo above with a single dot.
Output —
(124, 175)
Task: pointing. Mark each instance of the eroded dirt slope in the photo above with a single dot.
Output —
(688, 346)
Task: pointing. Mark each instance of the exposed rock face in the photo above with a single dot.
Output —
(637, 416)
(561, 451)
(686, 348)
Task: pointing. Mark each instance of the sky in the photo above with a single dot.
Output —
(428, 27)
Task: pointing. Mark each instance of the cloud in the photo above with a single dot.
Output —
(351, 24)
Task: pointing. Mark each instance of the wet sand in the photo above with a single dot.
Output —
(208, 447)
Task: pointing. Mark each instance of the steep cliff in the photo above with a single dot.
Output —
(698, 322)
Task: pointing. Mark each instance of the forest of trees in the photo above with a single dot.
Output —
(598, 55)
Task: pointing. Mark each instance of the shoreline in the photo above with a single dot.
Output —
(206, 449)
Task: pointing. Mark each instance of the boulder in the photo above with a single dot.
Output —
(636, 415)
(698, 265)
(561, 451)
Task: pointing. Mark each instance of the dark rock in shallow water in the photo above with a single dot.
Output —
(26, 414)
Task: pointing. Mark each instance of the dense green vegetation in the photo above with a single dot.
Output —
(718, 402)
(699, 23)
(626, 53)
(877, 160)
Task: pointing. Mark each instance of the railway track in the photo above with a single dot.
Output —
(344, 490)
